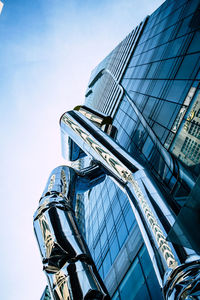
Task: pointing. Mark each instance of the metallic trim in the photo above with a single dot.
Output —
(68, 265)
(166, 258)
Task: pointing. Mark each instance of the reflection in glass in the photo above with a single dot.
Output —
(186, 145)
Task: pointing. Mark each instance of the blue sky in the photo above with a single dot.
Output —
(48, 49)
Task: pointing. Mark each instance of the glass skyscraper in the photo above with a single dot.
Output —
(142, 105)
(149, 85)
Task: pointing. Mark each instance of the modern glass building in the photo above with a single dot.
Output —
(149, 85)
(147, 93)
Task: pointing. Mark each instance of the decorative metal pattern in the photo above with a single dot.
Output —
(166, 258)
(107, 157)
(158, 233)
(126, 175)
(66, 260)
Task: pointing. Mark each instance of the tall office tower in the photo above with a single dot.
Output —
(149, 86)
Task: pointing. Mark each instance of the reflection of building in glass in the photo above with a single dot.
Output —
(79, 205)
(149, 86)
(187, 143)
(46, 294)
(138, 134)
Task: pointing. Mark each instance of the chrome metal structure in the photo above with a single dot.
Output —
(69, 268)
(177, 268)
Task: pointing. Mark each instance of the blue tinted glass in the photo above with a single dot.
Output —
(114, 248)
(194, 46)
(149, 105)
(157, 161)
(139, 136)
(116, 208)
(143, 294)
(101, 272)
(106, 203)
(95, 225)
(176, 90)
(148, 146)
(134, 278)
(159, 130)
(174, 47)
(165, 68)
(103, 237)
(129, 127)
(100, 214)
(122, 198)
(188, 64)
(109, 222)
(166, 111)
(157, 88)
(152, 69)
(122, 233)
(129, 218)
(154, 287)
(141, 102)
(106, 263)
(191, 7)
(158, 52)
(145, 261)
(144, 86)
(112, 192)
(97, 251)
(185, 26)
(116, 296)
(124, 139)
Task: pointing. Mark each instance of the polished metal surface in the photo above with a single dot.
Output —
(69, 268)
(153, 214)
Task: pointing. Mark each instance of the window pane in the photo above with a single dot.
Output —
(148, 145)
(106, 263)
(187, 67)
(134, 278)
(114, 249)
(116, 296)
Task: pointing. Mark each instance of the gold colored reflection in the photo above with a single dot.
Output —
(126, 175)
(91, 116)
(122, 171)
(52, 181)
(61, 288)
(157, 231)
(47, 236)
(64, 181)
(186, 145)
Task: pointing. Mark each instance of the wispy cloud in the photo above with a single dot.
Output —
(1, 6)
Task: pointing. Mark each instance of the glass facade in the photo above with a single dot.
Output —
(109, 221)
(149, 84)
(112, 235)
(46, 294)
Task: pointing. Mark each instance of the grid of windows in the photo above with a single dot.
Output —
(191, 149)
(186, 145)
(161, 80)
(110, 219)
(103, 91)
(142, 277)
(133, 137)
(165, 65)
(195, 129)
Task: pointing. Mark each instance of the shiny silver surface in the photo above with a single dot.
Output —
(153, 214)
(67, 263)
